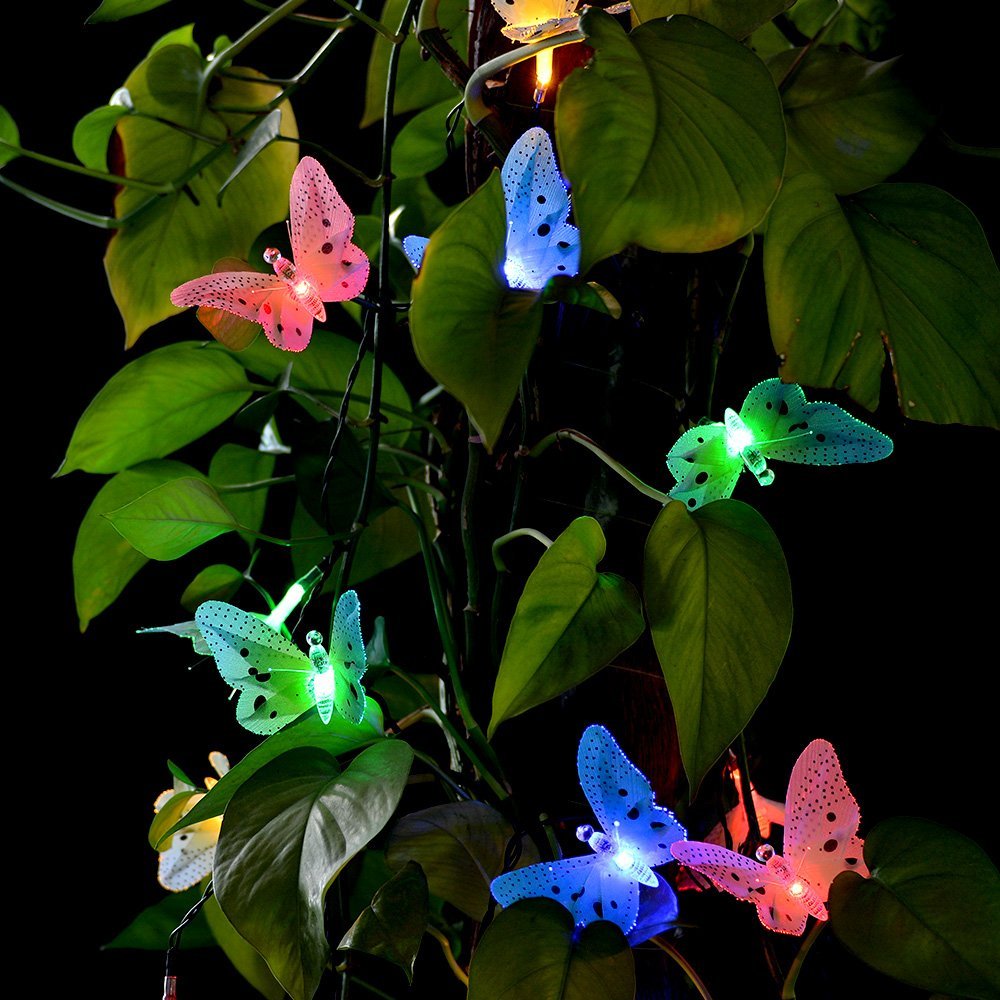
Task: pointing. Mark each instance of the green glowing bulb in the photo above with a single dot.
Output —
(293, 598)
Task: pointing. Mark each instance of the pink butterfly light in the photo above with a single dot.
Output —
(326, 267)
(821, 841)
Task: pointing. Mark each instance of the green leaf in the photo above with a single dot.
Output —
(735, 17)
(169, 816)
(337, 737)
(174, 518)
(8, 133)
(902, 266)
(421, 145)
(554, 959)
(92, 133)
(588, 294)
(151, 929)
(258, 140)
(244, 958)
(286, 836)
(393, 926)
(155, 405)
(719, 604)
(214, 583)
(184, 35)
(849, 119)
(570, 622)
(182, 235)
(930, 913)
(115, 10)
(419, 82)
(460, 847)
(103, 561)
(233, 465)
(672, 138)
(470, 331)
(861, 24)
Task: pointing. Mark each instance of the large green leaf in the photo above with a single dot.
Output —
(151, 928)
(286, 836)
(532, 951)
(419, 82)
(735, 17)
(245, 959)
(183, 234)
(849, 119)
(421, 145)
(900, 266)
(115, 10)
(470, 331)
(719, 604)
(234, 465)
(460, 847)
(8, 133)
(393, 926)
(569, 623)
(930, 913)
(155, 405)
(174, 518)
(336, 737)
(672, 138)
(103, 560)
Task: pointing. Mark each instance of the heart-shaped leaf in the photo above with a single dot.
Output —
(218, 582)
(92, 133)
(245, 959)
(233, 465)
(735, 17)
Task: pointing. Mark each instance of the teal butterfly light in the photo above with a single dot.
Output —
(774, 422)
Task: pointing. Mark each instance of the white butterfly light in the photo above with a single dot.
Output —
(541, 243)
(635, 838)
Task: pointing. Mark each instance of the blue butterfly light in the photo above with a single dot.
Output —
(541, 243)
(635, 838)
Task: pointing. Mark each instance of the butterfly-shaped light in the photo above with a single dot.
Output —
(326, 267)
(277, 681)
(540, 243)
(635, 838)
(775, 422)
(737, 826)
(821, 841)
(188, 855)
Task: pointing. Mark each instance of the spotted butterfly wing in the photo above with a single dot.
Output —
(541, 243)
(623, 800)
(321, 226)
(269, 671)
(790, 429)
(703, 467)
(233, 331)
(286, 322)
(576, 883)
(532, 19)
(413, 248)
(348, 658)
(242, 293)
(821, 828)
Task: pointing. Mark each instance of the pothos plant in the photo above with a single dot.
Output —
(368, 828)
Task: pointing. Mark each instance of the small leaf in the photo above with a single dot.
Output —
(184, 35)
(234, 465)
(104, 561)
(719, 604)
(245, 959)
(470, 331)
(337, 737)
(92, 133)
(258, 140)
(460, 847)
(155, 405)
(735, 17)
(899, 266)
(170, 815)
(672, 138)
(171, 520)
(588, 294)
(421, 145)
(554, 959)
(214, 583)
(861, 24)
(151, 929)
(570, 622)
(115, 10)
(8, 133)
(393, 926)
(286, 836)
(930, 913)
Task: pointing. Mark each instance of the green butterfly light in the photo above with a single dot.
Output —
(774, 422)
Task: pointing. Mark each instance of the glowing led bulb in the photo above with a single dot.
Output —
(302, 288)
(543, 74)
(292, 597)
(796, 889)
(624, 860)
(738, 435)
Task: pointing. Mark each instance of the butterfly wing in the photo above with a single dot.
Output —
(702, 466)
(623, 800)
(269, 671)
(190, 854)
(321, 227)
(789, 429)
(286, 322)
(528, 13)
(242, 293)
(822, 820)
(414, 247)
(540, 241)
(577, 883)
(348, 657)
(227, 328)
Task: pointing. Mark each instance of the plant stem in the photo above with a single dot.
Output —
(788, 989)
(754, 837)
(799, 61)
(376, 26)
(374, 182)
(261, 484)
(449, 957)
(314, 19)
(568, 434)
(70, 211)
(685, 965)
(500, 542)
(721, 339)
(472, 575)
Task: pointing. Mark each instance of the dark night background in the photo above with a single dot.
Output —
(892, 565)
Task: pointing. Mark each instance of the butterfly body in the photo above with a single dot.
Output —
(634, 838)
(774, 422)
(821, 841)
(325, 267)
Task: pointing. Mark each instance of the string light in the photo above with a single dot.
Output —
(293, 597)
(543, 74)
